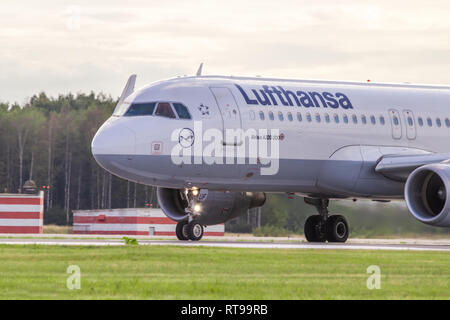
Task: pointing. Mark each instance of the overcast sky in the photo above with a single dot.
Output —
(60, 46)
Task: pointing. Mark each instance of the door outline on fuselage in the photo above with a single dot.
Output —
(411, 131)
(396, 127)
(230, 113)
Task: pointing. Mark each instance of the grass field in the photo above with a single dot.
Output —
(166, 272)
(54, 229)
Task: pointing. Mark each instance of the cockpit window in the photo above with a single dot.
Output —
(182, 111)
(165, 110)
(120, 109)
(140, 109)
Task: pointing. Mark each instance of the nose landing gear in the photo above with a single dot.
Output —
(181, 230)
(322, 227)
(195, 231)
(189, 230)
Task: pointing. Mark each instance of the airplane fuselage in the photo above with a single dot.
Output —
(329, 135)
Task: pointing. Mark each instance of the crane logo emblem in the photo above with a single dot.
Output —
(186, 138)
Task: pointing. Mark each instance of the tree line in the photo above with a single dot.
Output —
(48, 140)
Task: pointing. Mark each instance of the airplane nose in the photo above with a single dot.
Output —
(112, 142)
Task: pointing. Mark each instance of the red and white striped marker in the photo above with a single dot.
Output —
(21, 213)
(137, 221)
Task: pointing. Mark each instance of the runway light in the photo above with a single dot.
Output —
(197, 208)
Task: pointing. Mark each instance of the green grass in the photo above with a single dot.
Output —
(167, 272)
(54, 229)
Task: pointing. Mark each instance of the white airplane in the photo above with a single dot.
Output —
(320, 140)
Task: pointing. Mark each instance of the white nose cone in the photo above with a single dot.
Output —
(114, 139)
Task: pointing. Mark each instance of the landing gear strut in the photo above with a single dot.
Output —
(189, 230)
(322, 227)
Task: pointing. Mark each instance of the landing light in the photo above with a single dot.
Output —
(195, 192)
(197, 208)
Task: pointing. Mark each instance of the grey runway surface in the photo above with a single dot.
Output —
(416, 245)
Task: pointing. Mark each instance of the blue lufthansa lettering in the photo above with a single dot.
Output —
(270, 93)
(273, 96)
(244, 94)
(278, 93)
(316, 95)
(331, 101)
(344, 102)
(289, 94)
(266, 100)
(305, 99)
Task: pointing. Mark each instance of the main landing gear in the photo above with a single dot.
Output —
(322, 227)
(189, 230)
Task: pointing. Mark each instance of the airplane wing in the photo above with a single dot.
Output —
(398, 167)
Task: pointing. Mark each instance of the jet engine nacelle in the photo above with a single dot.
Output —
(427, 194)
(214, 207)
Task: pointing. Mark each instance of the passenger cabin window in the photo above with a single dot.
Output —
(140, 109)
(420, 121)
(373, 121)
(318, 117)
(261, 115)
(280, 116)
(182, 110)
(396, 122)
(363, 119)
(327, 118)
(382, 120)
(165, 110)
(308, 117)
(290, 116)
(336, 118)
(355, 119)
(299, 117)
(438, 122)
(430, 122)
(345, 118)
(447, 123)
(410, 121)
(271, 117)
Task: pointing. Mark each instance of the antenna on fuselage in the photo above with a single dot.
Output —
(199, 71)
(129, 88)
